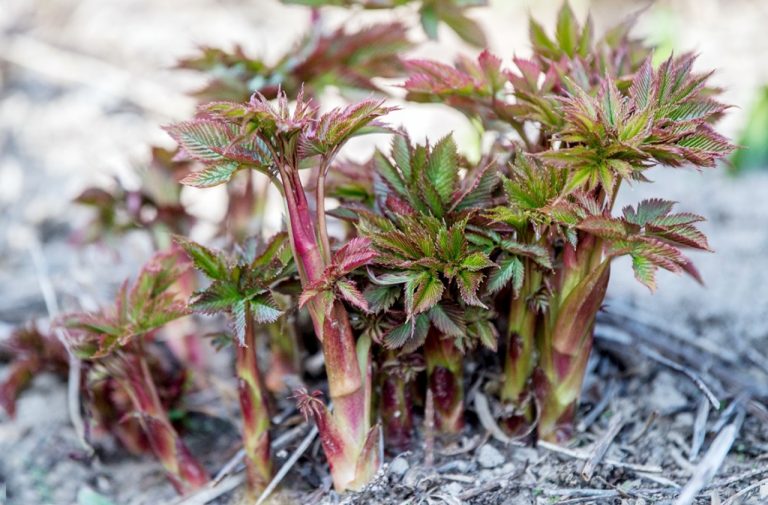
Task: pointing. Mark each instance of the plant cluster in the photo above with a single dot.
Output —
(436, 259)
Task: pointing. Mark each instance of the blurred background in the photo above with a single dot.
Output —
(86, 84)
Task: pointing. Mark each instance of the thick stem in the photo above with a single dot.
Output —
(349, 392)
(445, 379)
(396, 406)
(521, 334)
(255, 410)
(183, 470)
(567, 338)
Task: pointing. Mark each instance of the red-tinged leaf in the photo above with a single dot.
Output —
(676, 219)
(204, 140)
(212, 175)
(352, 295)
(696, 110)
(648, 211)
(354, 254)
(448, 319)
(469, 283)
(477, 188)
(645, 271)
(684, 235)
(641, 90)
(334, 128)
(408, 336)
(689, 268)
(423, 292)
(491, 67)
(603, 227)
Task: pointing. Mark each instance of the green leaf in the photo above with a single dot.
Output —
(448, 319)
(442, 169)
(429, 21)
(648, 211)
(381, 298)
(212, 264)
(401, 153)
(423, 292)
(567, 30)
(510, 269)
(385, 169)
(467, 28)
(220, 296)
(486, 333)
(476, 261)
(239, 318)
(645, 271)
(201, 139)
(264, 309)
(212, 175)
(540, 41)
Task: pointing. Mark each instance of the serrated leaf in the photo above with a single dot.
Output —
(352, 295)
(239, 318)
(212, 175)
(203, 140)
(469, 283)
(510, 269)
(486, 333)
(476, 261)
(442, 169)
(264, 309)
(212, 264)
(381, 298)
(448, 319)
(645, 271)
(567, 30)
(423, 292)
(218, 297)
(648, 211)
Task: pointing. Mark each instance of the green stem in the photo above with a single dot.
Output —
(445, 379)
(567, 336)
(520, 352)
(255, 410)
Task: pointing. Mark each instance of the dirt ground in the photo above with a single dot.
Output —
(84, 86)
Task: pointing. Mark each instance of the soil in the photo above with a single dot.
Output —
(64, 126)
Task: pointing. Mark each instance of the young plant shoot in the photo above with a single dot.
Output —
(113, 341)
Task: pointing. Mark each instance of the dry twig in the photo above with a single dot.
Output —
(711, 462)
(601, 447)
(571, 453)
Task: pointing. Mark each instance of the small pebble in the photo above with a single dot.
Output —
(453, 489)
(489, 457)
(399, 466)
